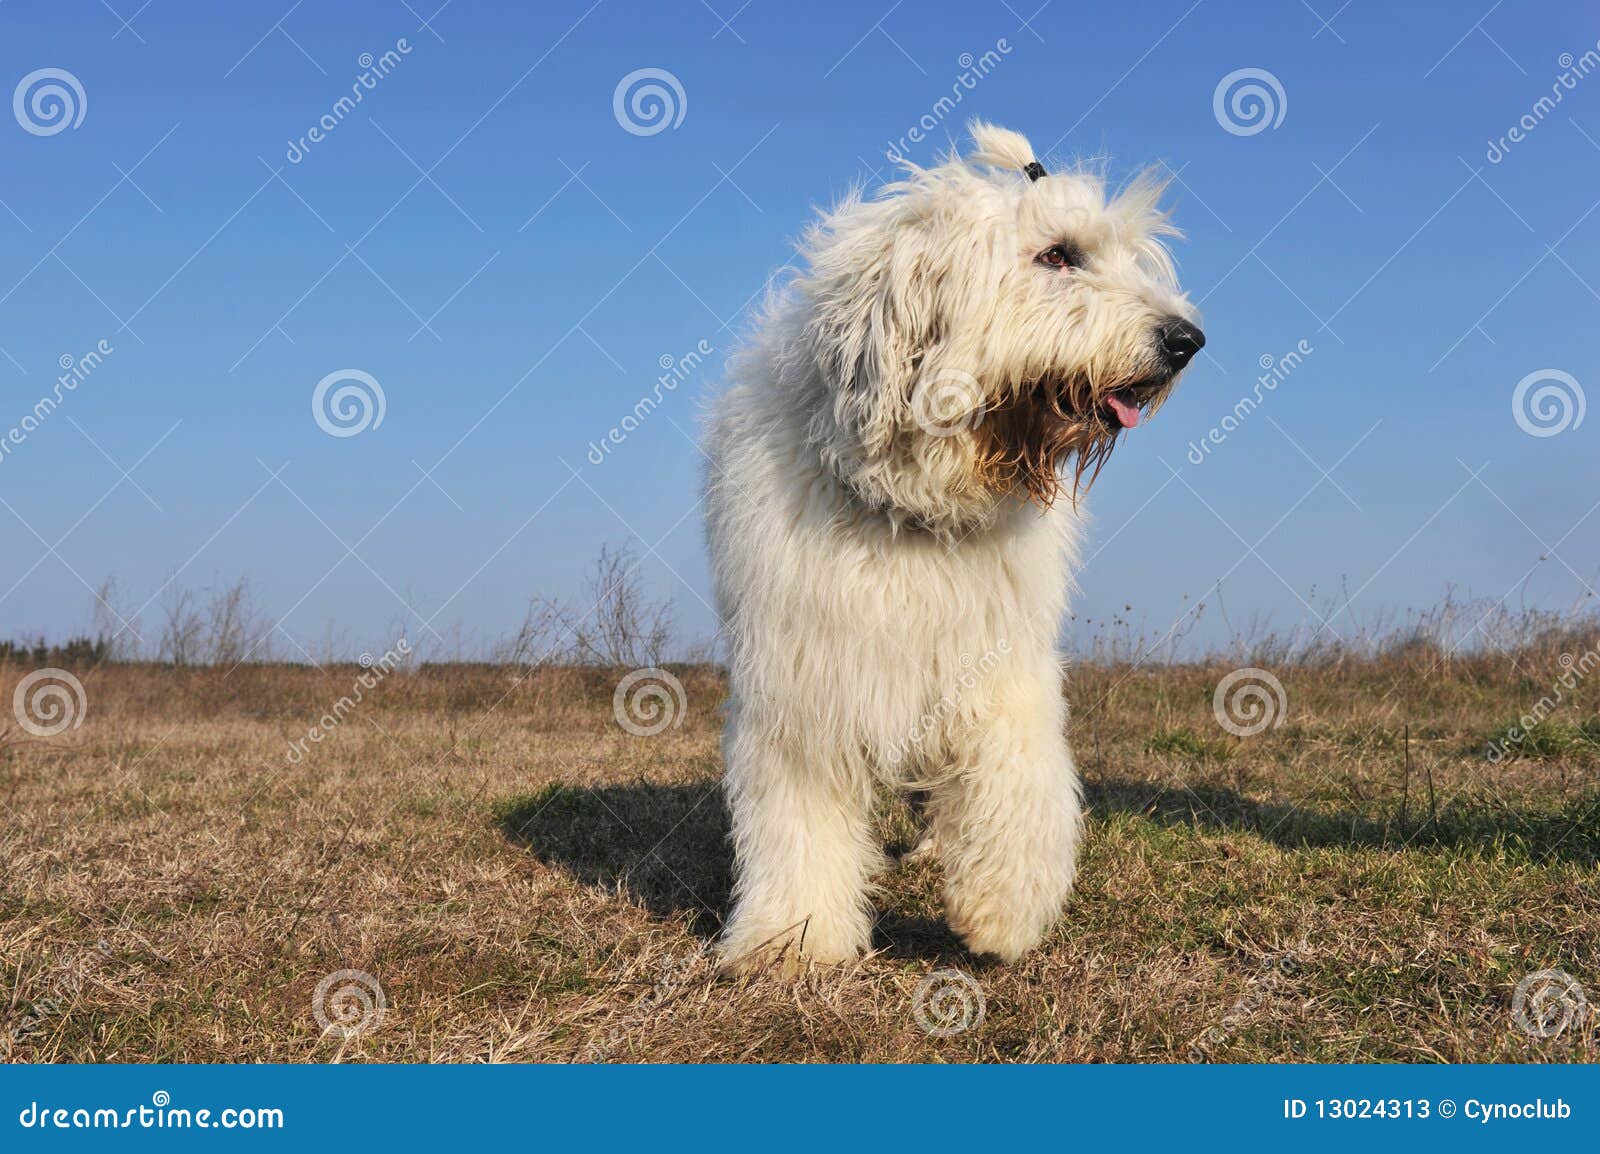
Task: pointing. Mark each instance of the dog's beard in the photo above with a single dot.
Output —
(1049, 428)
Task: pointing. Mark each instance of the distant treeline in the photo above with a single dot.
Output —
(75, 651)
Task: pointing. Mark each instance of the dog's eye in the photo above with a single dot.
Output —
(1060, 256)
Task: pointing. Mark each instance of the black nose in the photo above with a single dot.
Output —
(1180, 341)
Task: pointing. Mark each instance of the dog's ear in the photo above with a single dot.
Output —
(874, 314)
(1001, 148)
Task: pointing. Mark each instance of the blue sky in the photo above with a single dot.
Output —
(485, 239)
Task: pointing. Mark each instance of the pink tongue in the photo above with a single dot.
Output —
(1126, 413)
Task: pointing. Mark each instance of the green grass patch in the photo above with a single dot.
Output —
(1189, 745)
(1546, 741)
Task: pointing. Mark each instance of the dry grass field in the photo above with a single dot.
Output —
(529, 882)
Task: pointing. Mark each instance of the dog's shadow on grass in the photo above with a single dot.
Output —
(1570, 833)
(665, 846)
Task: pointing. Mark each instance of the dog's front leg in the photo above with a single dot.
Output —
(803, 854)
(1008, 818)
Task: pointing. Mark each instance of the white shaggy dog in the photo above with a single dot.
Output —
(888, 549)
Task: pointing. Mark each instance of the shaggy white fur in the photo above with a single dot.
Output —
(888, 551)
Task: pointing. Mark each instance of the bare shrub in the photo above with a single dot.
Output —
(613, 621)
(231, 626)
(543, 638)
(116, 627)
(181, 627)
(219, 627)
(625, 627)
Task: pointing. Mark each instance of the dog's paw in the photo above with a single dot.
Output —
(783, 953)
(995, 934)
(780, 961)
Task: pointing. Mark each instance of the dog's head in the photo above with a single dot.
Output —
(983, 326)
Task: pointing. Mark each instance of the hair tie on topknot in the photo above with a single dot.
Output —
(1034, 170)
